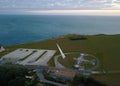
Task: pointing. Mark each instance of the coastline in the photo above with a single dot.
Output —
(60, 36)
(105, 47)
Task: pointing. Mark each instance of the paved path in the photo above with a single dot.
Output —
(33, 57)
(42, 79)
(57, 64)
(30, 56)
(45, 58)
(39, 70)
(18, 54)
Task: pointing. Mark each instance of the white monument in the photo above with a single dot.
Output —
(62, 54)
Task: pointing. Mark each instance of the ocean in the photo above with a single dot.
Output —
(17, 29)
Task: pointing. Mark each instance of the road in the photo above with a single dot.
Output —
(39, 70)
(57, 64)
(42, 79)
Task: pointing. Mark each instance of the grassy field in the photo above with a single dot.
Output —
(69, 60)
(105, 47)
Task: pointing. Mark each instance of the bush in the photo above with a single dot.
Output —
(15, 77)
(77, 37)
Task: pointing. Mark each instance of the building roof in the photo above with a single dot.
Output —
(63, 72)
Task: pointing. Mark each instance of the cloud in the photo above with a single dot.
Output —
(77, 12)
(28, 5)
(55, 4)
(114, 6)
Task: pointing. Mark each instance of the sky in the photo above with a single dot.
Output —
(88, 7)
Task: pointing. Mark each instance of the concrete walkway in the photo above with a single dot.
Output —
(42, 79)
(57, 64)
(45, 58)
(33, 57)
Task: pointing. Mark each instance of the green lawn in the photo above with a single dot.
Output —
(105, 47)
(69, 60)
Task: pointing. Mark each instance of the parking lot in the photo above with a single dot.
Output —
(30, 56)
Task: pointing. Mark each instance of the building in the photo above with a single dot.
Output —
(2, 49)
(61, 74)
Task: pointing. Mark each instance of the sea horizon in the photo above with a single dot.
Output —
(19, 29)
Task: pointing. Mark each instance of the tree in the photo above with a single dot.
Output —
(16, 77)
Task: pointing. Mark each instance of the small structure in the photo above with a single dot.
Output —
(30, 77)
(2, 48)
(85, 61)
(79, 60)
(61, 74)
